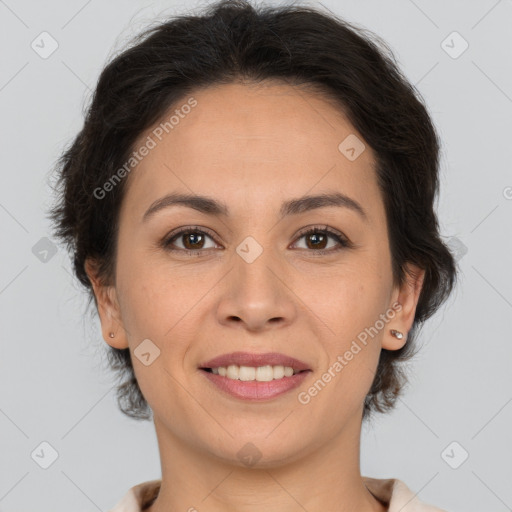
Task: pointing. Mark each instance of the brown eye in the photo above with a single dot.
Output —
(317, 240)
(189, 240)
(193, 241)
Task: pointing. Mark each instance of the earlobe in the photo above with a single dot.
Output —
(112, 327)
(108, 308)
(406, 296)
(393, 338)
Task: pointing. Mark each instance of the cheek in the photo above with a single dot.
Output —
(353, 313)
(350, 298)
(145, 297)
(153, 304)
(351, 307)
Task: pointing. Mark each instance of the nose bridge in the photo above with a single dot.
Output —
(256, 292)
(256, 265)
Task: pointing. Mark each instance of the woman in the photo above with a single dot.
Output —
(250, 205)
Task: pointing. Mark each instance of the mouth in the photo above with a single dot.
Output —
(255, 376)
(248, 366)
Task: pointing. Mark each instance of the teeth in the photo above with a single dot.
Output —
(233, 371)
(260, 374)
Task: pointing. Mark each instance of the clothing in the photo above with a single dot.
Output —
(392, 492)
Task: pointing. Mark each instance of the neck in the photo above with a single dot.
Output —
(323, 477)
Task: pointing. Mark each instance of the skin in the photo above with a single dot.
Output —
(253, 147)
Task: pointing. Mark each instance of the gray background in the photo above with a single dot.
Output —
(54, 385)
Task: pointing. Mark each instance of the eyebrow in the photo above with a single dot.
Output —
(210, 206)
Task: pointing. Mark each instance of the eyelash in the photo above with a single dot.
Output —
(343, 242)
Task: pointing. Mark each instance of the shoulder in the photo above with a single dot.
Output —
(397, 495)
(137, 497)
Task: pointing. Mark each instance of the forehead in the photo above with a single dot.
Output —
(263, 139)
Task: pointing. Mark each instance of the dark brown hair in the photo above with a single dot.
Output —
(234, 41)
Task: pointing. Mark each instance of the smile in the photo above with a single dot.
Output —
(250, 373)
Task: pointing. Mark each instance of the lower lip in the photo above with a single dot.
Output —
(255, 390)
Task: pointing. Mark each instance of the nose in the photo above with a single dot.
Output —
(256, 295)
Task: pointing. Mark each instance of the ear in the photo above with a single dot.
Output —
(108, 308)
(406, 296)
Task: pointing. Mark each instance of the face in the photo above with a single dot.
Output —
(248, 277)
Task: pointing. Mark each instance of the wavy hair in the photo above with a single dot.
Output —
(231, 41)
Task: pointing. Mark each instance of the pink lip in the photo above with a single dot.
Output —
(254, 390)
(248, 359)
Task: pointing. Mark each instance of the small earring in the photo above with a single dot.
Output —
(111, 334)
(396, 334)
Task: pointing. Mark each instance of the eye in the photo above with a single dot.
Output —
(317, 239)
(193, 240)
(190, 240)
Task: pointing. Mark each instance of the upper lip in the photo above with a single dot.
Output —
(248, 359)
